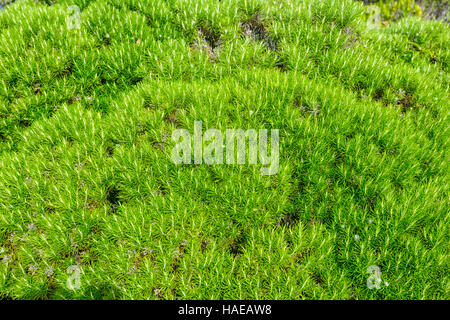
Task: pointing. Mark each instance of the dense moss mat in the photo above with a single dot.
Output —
(86, 178)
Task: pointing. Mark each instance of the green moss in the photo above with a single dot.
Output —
(86, 116)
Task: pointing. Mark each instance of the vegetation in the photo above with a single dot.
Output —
(86, 116)
(396, 9)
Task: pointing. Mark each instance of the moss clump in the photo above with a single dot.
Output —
(89, 98)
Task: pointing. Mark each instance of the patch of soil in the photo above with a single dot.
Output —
(256, 29)
(112, 196)
(208, 40)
